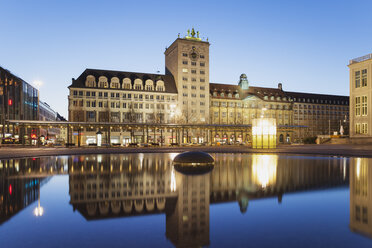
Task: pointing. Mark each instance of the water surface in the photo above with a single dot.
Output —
(140, 200)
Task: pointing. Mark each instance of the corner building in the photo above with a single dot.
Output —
(360, 99)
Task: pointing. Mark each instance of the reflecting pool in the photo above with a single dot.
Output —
(140, 200)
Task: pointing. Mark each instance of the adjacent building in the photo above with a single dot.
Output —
(185, 95)
(360, 98)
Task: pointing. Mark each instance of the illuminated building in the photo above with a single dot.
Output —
(360, 98)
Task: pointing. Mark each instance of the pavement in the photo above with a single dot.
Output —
(346, 150)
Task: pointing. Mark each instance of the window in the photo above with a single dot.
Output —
(364, 78)
(357, 105)
(202, 72)
(357, 79)
(364, 128)
(193, 87)
(193, 95)
(88, 104)
(364, 105)
(184, 86)
(75, 92)
(184, 62)
(184, 94)
(193, 71)
(124, 105)
(202, 64)
(100, 104)
(202, 87)
(112, 95)
(184, 54)
(201, 56)
(202, 95)
(184, 78)
(184, 70)
(193, 63)
(202, 80)
(193, 79)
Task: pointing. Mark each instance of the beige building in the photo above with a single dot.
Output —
(187, 60)
(360, 99)
(184, 95)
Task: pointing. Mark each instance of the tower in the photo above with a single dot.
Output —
(243, 82)
(187, 59)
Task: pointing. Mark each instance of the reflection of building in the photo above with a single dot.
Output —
(114, 186)
(188, 224)
(360, 98)
(360, 196)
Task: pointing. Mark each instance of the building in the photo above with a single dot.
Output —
(187, 60)
(20, 101)
(321, 114)
(184, 95)
(360, 97)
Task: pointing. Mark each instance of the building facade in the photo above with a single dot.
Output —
(184, 95)
(360, 98)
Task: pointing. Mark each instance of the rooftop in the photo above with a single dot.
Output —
(361, 59)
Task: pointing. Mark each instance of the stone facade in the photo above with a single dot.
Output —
(360, 99)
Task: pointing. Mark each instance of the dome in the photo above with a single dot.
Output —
(243, 76)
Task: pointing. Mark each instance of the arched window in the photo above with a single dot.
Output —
(102, 82)
(127, 84)
(229, 95)
(278, 98)
(237, 95)
(160, 85)
(272, 98)
(214, 93)
(222, 94)
(115, 83)
(90, 81)
(138, 84)
(149, 85)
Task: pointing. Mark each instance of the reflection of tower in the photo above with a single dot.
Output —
(360, 195)
(188, 224)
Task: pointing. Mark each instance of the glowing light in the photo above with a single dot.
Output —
(264, 169)
(10, 189)
(173, 181)
(358, 162)
(264, 133)
(39, 211)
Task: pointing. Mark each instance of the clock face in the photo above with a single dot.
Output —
(194, 55)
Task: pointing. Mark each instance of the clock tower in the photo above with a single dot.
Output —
(187, 59)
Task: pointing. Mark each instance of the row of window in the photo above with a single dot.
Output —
(320, 107)
(321, 112)
(127, 83)
(238, 114)
(193, 95)
(361, 106)
(202, 80)
(249, 105)
(200, 56)
(193, 63)
(360, 78)
(229, 95)
(93, 104)
(320, 101)
(193, 71)
(361, 128)
(193, 87)
(123, 95)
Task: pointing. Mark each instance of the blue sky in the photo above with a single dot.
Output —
(306, 45)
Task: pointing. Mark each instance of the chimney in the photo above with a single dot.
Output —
(280, 86)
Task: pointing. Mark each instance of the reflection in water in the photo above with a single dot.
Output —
(113, 186)
(360, 196)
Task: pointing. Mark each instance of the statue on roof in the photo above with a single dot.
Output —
(193, 32)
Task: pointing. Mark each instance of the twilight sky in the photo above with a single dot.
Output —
(306, 45)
